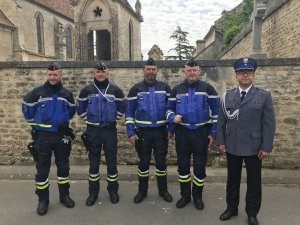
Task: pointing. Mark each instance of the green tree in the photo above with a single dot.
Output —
(183, 49)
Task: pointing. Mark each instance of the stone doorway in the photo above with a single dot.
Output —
(99, 45)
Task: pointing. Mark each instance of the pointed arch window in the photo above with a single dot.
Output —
(130, 40)
(40, 33)
(69, 42)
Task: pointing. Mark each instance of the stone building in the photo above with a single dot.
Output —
(156, 53)
(6, 34)
(45, 30)
(280, 34)
(107, 30)
(210, 46)
(279, 37)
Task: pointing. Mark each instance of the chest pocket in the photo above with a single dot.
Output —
(92, 104)
(181, 103)
(231, 107)
(142, 100)
(45, 111)
(255, 105)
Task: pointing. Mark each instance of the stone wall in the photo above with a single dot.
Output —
(281, 77)
(280, 33)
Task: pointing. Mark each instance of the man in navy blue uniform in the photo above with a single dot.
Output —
(48, 109)
(147, 129)
(246, 129)
(193, 108)
(100, 104)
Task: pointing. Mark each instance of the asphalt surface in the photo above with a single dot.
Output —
(280, 206)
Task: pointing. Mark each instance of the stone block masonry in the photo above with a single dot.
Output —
(280, 76)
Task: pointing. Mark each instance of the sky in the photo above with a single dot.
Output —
(161, 18)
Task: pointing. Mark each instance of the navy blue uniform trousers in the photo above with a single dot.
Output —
(45, 143)
(97, 139)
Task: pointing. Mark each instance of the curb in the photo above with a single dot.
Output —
(129, 173)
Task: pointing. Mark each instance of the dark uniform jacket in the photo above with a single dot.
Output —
(48, 107)
(197, 103)
(101, 103)
(147, 105)
(253, 128)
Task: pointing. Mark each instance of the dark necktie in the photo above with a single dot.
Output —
(243, 95)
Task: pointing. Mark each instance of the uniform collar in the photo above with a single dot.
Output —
(246, 90)
(53, 88)
(150, 84)
(186, 83)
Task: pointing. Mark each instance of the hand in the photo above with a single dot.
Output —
(211, 140)
(177, 119)
(263, 154)
(133, 139)
(170, 135)
(222, 149)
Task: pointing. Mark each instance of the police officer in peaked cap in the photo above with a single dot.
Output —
(245, 133)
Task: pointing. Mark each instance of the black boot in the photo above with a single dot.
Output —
(140, 197)
(42, 207)
(114, 197)
(67, 201)
(183, 202)
(199, 203)
(166, 196)
(91, 200)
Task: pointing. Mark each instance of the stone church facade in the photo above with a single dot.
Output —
(44, 30)
(108, 30)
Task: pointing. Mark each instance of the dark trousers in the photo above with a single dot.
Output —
(97, 139)
(152, 138)
(253, 195)
(191, 142)
(45, 143)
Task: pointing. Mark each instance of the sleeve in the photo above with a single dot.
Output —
(82, 102)
(214, 104)
(268, 124)
(120, 104)
(170, 125)
(29, 106)
(221, 125)
(171, 107)
(130, 111)
(71, 106)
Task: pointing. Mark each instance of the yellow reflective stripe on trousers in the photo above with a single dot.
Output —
(41, 125)
(184, 181)
(110, 179)
(63, 181)
(94, 179)
(198, 184)
(161, 174)
(42, 187)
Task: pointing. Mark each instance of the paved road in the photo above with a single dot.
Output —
(281, 206)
